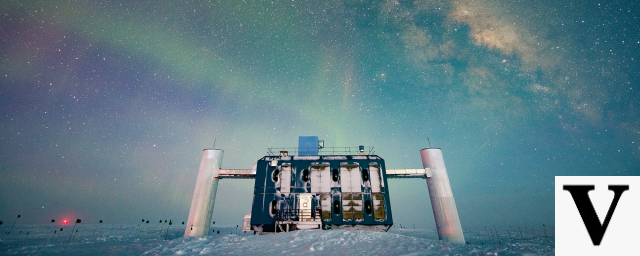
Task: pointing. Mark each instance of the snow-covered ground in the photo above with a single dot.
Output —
(106, 239)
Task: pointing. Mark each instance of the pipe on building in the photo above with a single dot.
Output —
(204, 194)
(444, 207)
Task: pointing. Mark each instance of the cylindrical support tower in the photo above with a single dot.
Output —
(444, 207)
(204, 194)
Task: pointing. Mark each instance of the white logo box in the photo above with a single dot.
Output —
(622, 236)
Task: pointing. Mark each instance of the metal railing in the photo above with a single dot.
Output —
(298, 215)
(322, 151)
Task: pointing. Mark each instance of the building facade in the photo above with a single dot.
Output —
(321, 192)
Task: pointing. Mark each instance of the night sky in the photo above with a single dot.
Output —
(105, 106)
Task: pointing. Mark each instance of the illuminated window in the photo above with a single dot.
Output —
(365, 175)
(305, 175)
(274, 208)
(335, 175)
(275, 175)
(367, 206)
(336, 207)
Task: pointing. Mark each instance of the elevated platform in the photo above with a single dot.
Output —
(391, 174)
(237, 174)
(409, 173)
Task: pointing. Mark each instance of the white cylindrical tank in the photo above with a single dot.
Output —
(444, 207)
(204, 194)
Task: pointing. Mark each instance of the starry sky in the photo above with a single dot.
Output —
(105, 106)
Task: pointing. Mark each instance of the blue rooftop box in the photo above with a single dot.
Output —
(308, 145)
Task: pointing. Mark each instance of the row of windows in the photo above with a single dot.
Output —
(335, 174)
(351, 207)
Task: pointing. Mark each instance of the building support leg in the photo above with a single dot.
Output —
(444, 207)
(204, 194)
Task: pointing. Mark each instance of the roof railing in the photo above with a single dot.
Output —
(323, 151)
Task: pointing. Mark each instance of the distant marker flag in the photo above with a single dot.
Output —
(74, 227)
(14, 223)
(95, 230)
(167, 235)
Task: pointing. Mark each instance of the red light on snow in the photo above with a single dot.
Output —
(64, 222)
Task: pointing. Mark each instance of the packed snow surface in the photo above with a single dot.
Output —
(149, 239)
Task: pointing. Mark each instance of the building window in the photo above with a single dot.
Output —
(365, 175)
(305, 175)
(352, 206)
(335, 175)
(336, 207)
(378, 206)
(325, 204)
(275, 175)
(367, 206)
(274, 205)
(350, 178)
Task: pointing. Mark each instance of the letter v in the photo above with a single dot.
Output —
(580, 194)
